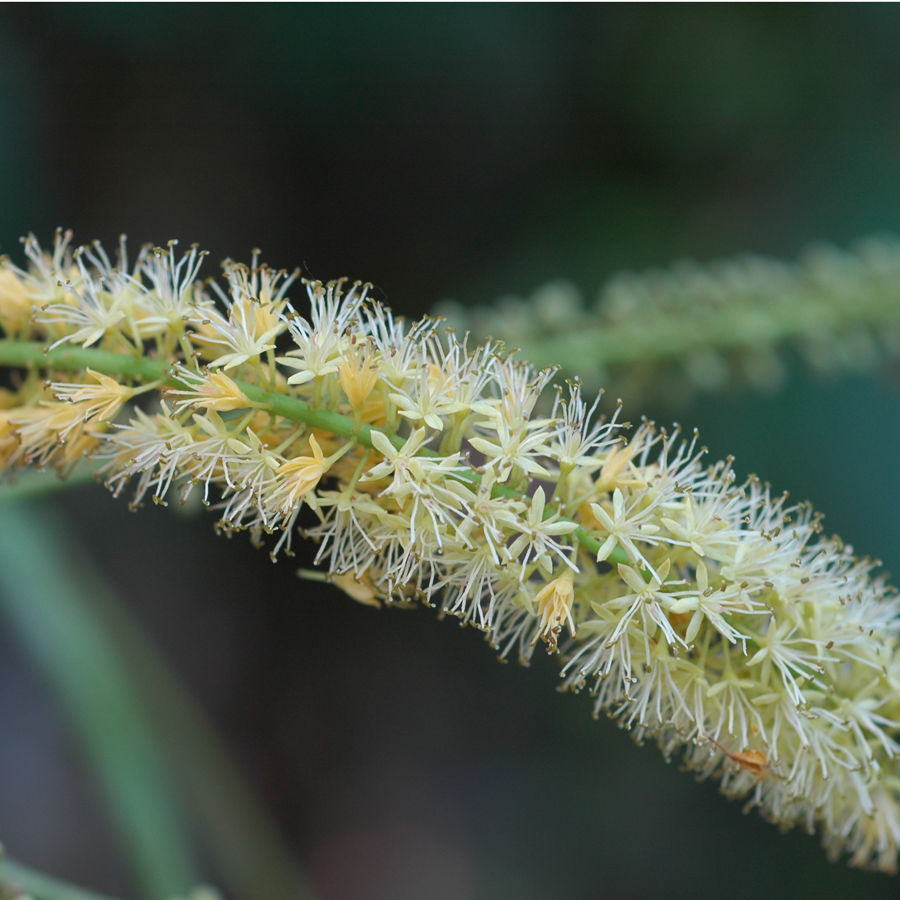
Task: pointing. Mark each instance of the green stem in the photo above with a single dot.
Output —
(658, 335)
(31, 353)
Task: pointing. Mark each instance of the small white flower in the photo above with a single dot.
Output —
(320, 341)
(536, 543)
(95, 312)
(152, 447)
(625, 526)
(431, 395)
(170, 299)
(712, 604)
(579, 441)
(554, 608)
(239, 334)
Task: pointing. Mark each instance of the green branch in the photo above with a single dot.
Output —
(77, 359)
(31, 353)
(660, 335)
(747, 304)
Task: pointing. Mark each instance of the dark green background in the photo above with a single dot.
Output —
(463, 151)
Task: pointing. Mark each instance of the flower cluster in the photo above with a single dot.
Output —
(709, 615)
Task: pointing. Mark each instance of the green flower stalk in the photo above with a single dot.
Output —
(706, 614)
(668, 333)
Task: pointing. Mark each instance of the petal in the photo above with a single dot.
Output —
(485, 447)
(608, 546)
(618, 503)
(382, 443)
(602, 516)
(537, 505)
(702, 577)
(685, 604)
(317, 450)
(757, 657)
(693, 627)
(560, 528)
(632, 578)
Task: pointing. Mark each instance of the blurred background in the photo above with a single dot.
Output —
(465, 152)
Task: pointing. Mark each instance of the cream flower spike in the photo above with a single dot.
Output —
(707, 614)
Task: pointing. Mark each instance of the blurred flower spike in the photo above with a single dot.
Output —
(668, 334)
(709, 615)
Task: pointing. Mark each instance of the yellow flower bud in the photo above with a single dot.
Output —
(554, 606)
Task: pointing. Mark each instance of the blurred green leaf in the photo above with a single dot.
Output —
(254, 861)
(43, 887)
(252, 857)
(31, 484)
(42, 589)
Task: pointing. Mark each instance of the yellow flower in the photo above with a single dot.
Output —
(8, 441)
(54, 430)
(220, 393)
(265, 315)
(554, 605)
(214, 391)
(301, 474)
(618, 470)
(41, 430)
(15, 306)
(77, 448)
(101, 401)
(358, 376)
(360, 590)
